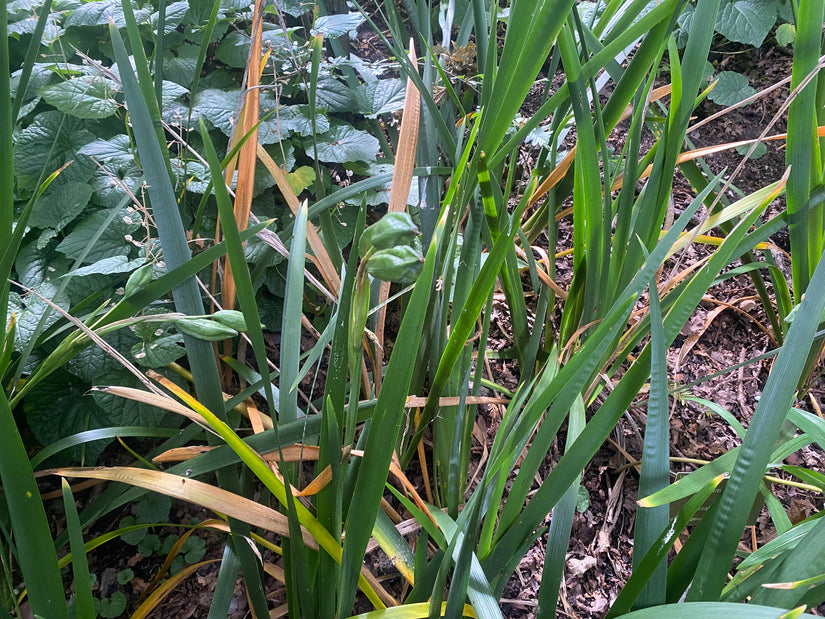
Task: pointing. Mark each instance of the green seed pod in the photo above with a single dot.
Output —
(205, 329)
(231, 318)
(397, 264)
(392, 230)
(138, 279)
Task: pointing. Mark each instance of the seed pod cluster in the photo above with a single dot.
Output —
(392, 249)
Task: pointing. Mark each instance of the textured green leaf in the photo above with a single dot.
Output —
(785, 34)
(234, 49)
(380, 97)
(113, 241)
(731, 88)
(343, 144)
(218, 107)
(381, 194)
(296, 8)
(153, 507)
(337, 25)
(759, 151)
(301, 122)
(159, 352)
(30, 314)
(58, 208)
(34, 266)
(111, 180)
(101, 12)
(746, 21)
(84, 96)
(175, 12)
(180, 66)
(335, 96)
(113, 607)
(52, 140)
(117, 149)
(300, 179)
(110, 265)
(58, 408)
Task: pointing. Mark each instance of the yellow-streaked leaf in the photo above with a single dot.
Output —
(193, 491)
(410, 611)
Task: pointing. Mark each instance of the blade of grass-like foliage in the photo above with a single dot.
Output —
(275, 485)
(715, 610)
(291, 328)
(81, 438)
(558, 536)
(383, 431)
(802, 155)
(32, 537)
(144, 78)
(477, 587)
(418, 610)
(6, 153)
(531, 32)
(807, 560)
(191, 490)
(655, 473)
(591, 217)
(466, 322)
(145, 116)
(605, 419)
(646, 566)
(80, 565)
(762, 434)
(237, 260)
(297, 567)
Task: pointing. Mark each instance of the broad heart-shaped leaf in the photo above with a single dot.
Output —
(300, 179)
(760, 150)
(84, 96)
(175, 12)
(117, 149)
(58, 208)
(337, 25)
(381, 195)
(172, 92)
(31, 309)
(59, 407)
(51, 32)
(160, 351)
(233, 51)
(731, 88)
(100, 12)
(109, 180)
(746, 21)
(296, 8)
(112, 242)
(52, 140)
(785, 34)
(179, 66)
(342, 144)
(218, 107)
(113, 265)
(380, 97)
(34, 266)
(300, 121)
(192, 175)
(335, 96)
